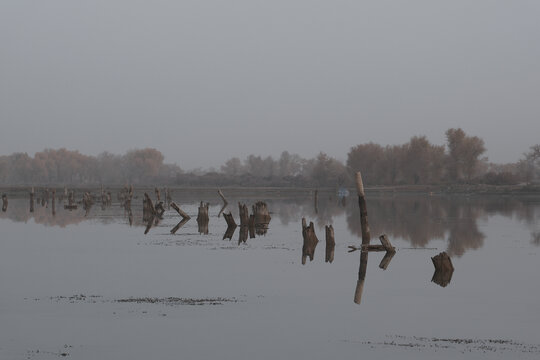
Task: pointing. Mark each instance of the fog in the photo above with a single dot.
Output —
(204, 81)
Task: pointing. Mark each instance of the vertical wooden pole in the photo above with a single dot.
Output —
(366, 236)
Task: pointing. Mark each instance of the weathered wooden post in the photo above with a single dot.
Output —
(71, 202)
(242, 234)
(310, 241)
(261, 217)
(158, 195)
(361, 277)
(244, 214)
(179, 225)
(202, 218)
(231, 225)
(330, 244)
(316, 201)
(366, 238)
(4, 202)
(225, 202)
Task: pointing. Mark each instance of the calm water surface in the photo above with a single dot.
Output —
(62, 276)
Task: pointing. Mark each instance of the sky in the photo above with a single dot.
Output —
(204, 81)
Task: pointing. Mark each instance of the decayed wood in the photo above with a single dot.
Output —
(148, 206)
(244, 214)
(251, 226)
(386, 259)
(330, 243)
(386, 243)
(158, 194)
(229, 219)
(179, 225)
(202, 214)
(222, 197)
(202, 218)
(229, 232)
(180, 211)
(366, 236)
(443, 269)
(4, 202)
(262, 215)
(159, 209)
(310, 241)
(361, 277)
(242, 234)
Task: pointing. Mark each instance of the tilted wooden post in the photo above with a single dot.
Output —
(366, 236)
(202, 218)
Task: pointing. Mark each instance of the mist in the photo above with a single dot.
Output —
(207, 81)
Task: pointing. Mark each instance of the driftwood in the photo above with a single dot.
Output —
(310, 241)
(443, 269)
(4, 202)
(330, 244)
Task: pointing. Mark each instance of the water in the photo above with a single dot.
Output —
(62, 278)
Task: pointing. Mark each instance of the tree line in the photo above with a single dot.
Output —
(417, 162)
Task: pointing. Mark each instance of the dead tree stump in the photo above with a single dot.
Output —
(202, 214)
(71, 202)
(229, 219)
(202, 218)
(443, 269)
(330, 244)
(4, 202)
(310, 241)
(244, 214)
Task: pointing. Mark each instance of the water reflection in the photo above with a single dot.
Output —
(417, 219)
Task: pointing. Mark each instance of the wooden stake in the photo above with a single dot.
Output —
(330, 243)
(366, 237)
(244, 214)
(310, 241)
(180, 211)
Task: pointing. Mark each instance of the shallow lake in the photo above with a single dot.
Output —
(92, 285)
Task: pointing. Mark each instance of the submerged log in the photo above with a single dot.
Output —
(4, 202)
(310, 241)
(330, 244)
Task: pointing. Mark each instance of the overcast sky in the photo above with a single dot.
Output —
(203, 81)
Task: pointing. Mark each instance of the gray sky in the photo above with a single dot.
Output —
(203, 81)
